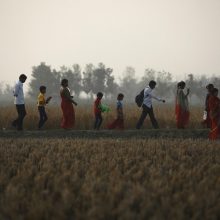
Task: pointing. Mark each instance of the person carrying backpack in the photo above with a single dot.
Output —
(147, 105)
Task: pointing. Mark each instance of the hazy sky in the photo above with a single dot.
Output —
(180, 36)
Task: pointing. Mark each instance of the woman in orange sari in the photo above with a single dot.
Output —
(67, 106)
(214, 109)
(182, 107)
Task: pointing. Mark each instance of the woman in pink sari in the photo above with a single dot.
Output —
(67, 106)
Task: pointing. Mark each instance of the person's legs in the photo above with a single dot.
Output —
(97, 119)
(43, 116)
(21, 114)
(120, 124)
(142, 117)
(152, 118)
(100, 121)
(15, 122)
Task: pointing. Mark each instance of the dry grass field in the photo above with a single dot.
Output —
(84, 174)
(75, 178)
(85, 118)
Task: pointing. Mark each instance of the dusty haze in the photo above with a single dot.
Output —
(174, 35)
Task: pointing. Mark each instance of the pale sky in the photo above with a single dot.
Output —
(179, 36)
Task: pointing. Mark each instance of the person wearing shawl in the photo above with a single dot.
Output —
(214, 109)
(67, 106)
(182, 106)
(206, 117)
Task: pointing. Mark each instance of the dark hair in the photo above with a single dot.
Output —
(64, 81)
(99, 95)
(42, 88)
(214, 90)
(22, 76)
(210, 86)
(152, 83)
(120, 95)
(181, 83)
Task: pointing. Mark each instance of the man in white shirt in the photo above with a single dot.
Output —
(19, 102)
(147, 106)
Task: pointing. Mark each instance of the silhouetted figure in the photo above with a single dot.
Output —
(19, 102)
(147, 105)
(119, 121)
(67, 106)
(214, 110)
(182, 106)
(41, 103)
(98, 111)
(206, 118)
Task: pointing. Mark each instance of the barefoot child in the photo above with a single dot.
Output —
(119, 121)
(98, 111)
(41, 102)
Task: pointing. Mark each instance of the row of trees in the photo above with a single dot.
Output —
(98, 78)
(86, 83)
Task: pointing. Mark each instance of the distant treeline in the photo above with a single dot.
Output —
(87, 82)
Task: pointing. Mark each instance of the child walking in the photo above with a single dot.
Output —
(41, 102)
(98, 111)
(119, 121)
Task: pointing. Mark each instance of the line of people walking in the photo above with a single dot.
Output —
(144, 100)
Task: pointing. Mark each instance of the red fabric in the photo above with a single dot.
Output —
(117, 123)
(96, 106)
(68, 119)
(214, 107)
(182, 117)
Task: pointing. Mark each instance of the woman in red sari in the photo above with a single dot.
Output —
(67, 106)
(214, 109)
(206, 117)
(182, 107)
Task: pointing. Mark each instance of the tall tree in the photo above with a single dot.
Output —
(99, 78)
(129, 85)
(87, 84)
(42, 75)
(164, 82)
(111, 85)
(149, 74)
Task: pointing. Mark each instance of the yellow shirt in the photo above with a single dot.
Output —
(41, 100)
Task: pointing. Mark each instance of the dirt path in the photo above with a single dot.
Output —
(149, 133)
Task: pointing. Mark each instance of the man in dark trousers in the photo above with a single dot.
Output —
(147, 105)
(19, 102)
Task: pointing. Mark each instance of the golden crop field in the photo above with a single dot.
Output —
(75, 178)
(85, 119)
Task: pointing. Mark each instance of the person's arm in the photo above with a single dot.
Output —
(187, 92)
(67, 95)
(16, 90)
(158, 99)
(207, 102)
(98, 105)
(48, 99)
